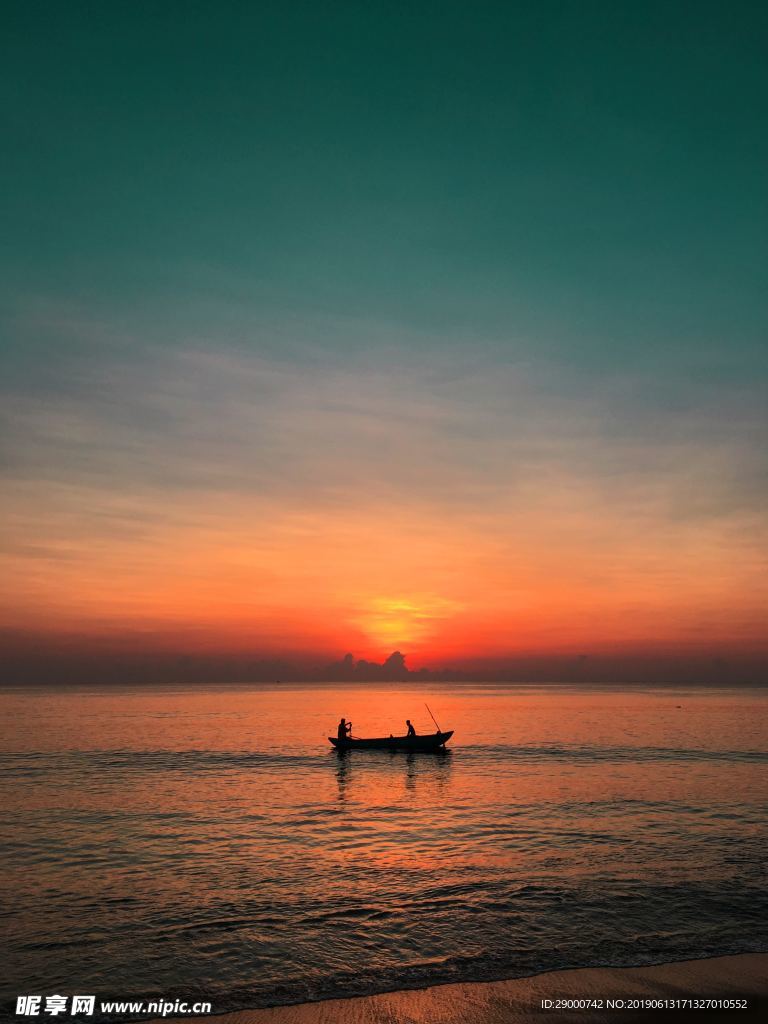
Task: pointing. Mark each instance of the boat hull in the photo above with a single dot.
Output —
(435, 742)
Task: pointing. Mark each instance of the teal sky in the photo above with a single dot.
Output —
(543, 225)
(588, 175)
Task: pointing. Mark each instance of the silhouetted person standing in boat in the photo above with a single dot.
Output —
(411, 730)
(344, 729)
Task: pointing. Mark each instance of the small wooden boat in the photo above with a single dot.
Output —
(434, 742)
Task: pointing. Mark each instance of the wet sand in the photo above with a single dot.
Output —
(520, 999)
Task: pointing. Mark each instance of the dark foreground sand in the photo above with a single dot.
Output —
(520, 1000)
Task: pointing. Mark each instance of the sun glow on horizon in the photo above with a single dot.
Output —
(390, 622)
(470, 536)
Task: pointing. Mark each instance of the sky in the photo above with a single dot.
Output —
(435, 327)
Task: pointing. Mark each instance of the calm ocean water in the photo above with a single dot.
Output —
(184, 842)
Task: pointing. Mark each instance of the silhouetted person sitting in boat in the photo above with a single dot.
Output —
(411, 730)
(344, 729)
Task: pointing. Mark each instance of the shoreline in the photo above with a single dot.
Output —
(517, 1000)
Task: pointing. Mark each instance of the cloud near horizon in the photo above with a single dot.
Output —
(453, 343)
(214, 497)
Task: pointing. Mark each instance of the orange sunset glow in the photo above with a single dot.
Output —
(558, 572)
(471, 428)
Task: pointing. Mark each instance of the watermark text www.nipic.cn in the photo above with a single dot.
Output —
(71, 1006)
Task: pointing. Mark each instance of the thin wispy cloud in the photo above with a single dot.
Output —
(261, 483)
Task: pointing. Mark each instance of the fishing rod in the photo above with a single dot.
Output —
(432, 716)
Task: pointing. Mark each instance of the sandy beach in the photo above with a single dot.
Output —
(743, 977)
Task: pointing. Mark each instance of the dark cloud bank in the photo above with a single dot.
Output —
(27, 661)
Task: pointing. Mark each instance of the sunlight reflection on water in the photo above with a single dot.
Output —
(180, 841)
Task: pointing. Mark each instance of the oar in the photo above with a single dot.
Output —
(432, 717)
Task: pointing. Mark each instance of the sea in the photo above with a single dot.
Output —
(208, 843)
